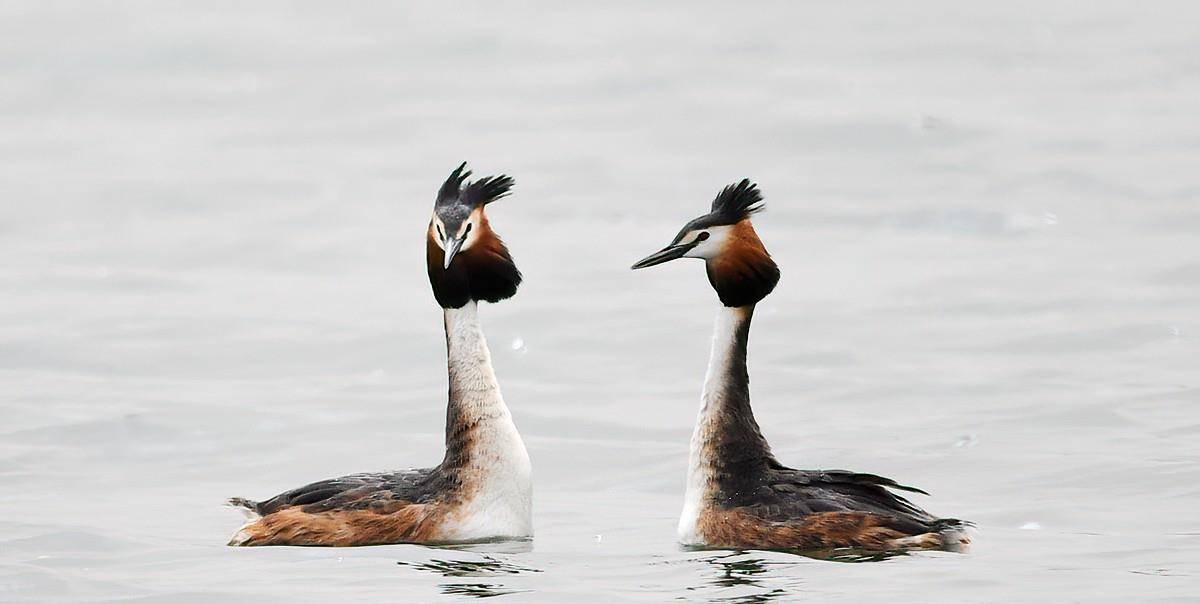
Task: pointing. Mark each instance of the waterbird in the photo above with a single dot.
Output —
(738, 495)
(482, 489)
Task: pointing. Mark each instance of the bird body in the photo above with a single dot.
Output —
(482, 490)
(738, 495)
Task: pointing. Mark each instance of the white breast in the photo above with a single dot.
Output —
(500, 490)
(696, 496)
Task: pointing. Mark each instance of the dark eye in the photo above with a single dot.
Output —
(468, 229)
(702, 236)
(439, 229)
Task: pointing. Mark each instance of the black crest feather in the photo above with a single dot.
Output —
(477, 193)
(737, 202)
(452, 188)
(486, 190)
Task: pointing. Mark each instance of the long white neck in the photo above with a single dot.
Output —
(727, 381)
(726, 439)
(476, 417)
(472, 380)
(482, 442)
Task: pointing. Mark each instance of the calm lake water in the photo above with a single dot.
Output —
(212, 275)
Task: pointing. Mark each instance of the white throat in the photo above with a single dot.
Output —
(470, 362)
(725, 352)
(496, 479)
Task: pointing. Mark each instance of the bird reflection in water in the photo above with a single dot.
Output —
(772, 579)
(485, 566)
(738, 572)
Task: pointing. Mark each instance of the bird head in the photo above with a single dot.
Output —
(738, 265)
(465, 258)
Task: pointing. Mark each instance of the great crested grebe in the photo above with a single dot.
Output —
(738, 495)
(482, 489)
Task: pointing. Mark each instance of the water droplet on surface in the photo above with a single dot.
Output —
(518, 345)
(598, 538)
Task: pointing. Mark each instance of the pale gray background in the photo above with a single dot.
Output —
(213, 283)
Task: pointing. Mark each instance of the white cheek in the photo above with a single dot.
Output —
(470, 240)
(435, 232)
(709, 248)
(700, 251)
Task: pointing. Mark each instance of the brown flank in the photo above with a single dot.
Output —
(396, 522)
(737, 528)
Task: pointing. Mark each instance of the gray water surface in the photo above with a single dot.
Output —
(212, 282)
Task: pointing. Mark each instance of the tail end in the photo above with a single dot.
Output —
(954, 534)
(250, 510)
(945, 534)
